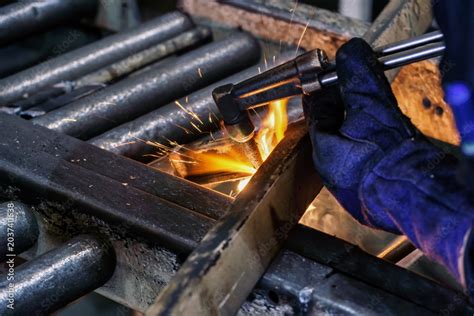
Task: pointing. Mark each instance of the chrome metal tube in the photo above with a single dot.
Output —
(397, 60)
(413, 42)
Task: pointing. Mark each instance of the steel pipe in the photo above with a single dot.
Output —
(21, 18)
(145, 57)
(94, 56)
(143, 93)
(18, 229)
(58, 277)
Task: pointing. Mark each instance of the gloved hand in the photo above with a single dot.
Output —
(382, 170)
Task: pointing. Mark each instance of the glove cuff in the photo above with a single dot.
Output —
(426, 203)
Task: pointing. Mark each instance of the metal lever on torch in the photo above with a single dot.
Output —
(306, 74)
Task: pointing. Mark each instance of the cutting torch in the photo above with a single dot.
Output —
(303, 75)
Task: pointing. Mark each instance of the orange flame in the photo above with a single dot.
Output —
(273, 127)
(272, 130)
(213, 163)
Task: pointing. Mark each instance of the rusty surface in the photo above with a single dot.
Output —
(277, 22)
(418, 91)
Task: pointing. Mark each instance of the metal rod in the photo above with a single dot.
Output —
(145, 57)
(143, 93)
(171, 123)
(21, 18)
(58, 277)
(94, 56)
(18, 229)
(59, 101)
(413, 42)
(37, 48)
(397, 60)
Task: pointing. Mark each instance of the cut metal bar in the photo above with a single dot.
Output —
(219, 274)
(94, 56)
(46, 166)
(143, 93)
(171, 122)
(21, 18)
(18, 229)
(145, 57)
(58, 277)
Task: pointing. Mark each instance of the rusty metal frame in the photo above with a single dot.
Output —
(217, 277)
(220, 273)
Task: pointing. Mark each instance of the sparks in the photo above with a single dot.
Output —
(187, 131)
(301, 38)
(189, 112)
(195, 126)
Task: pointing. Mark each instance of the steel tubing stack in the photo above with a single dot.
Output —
(91, 57)
(140, 94)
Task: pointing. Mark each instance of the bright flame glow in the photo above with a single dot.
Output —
(213, 163)
(271, 131)
(242, 184)
(273, 128)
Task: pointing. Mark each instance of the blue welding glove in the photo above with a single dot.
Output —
(382, 170)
